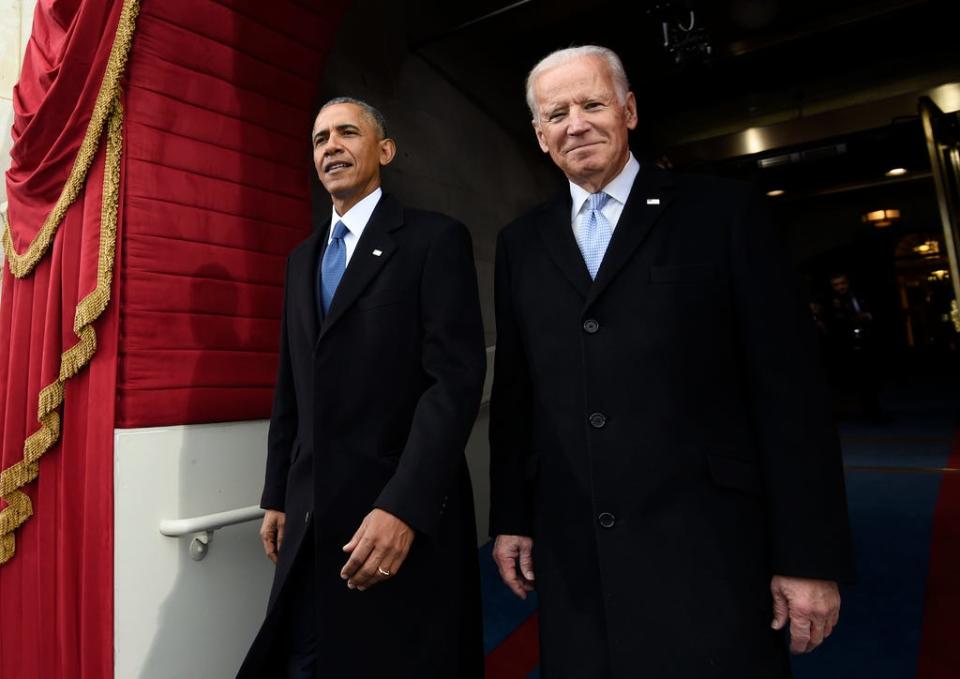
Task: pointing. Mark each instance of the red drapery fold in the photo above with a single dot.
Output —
(59, 242)
(215, 116)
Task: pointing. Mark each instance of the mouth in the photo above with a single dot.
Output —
(336, 166)
(580, 147)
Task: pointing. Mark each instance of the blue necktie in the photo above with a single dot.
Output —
(333, 265)
(594, 233)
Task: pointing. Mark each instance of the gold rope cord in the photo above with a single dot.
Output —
(19, 508)
(22, 264)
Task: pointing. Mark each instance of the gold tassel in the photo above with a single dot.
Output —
(19, 508)
(22, 264)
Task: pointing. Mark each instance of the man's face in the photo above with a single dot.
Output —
(348, 152)
(582, 124)
(840, 284)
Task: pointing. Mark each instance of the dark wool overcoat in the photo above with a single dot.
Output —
(373, 408)
(662, 434)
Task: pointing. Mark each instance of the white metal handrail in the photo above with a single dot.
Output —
(203, 527)
(177, 528)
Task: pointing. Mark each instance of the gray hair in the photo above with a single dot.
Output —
(564, 56)
(373, 115)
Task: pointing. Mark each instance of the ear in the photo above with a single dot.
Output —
(540, 138)
(388, 150)
(630, 106)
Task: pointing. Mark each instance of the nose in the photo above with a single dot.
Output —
(332, 146)
(576, 122)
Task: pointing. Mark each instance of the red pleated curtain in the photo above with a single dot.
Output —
(159, 176)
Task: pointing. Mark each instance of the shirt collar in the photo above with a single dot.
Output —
(357, 217)
(618, 188)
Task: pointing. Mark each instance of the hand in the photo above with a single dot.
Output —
(271, 533)
(381, 543)
(812, 606)
(514, 557)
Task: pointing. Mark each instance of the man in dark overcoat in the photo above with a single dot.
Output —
(664, 468)
(369, 509)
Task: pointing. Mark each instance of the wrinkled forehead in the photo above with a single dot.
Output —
(582, 78)
(340, 115)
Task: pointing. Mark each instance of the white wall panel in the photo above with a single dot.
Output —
(175, 617)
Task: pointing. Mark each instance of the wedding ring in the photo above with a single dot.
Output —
(382, 572)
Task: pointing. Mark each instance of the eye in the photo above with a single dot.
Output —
(555, 116)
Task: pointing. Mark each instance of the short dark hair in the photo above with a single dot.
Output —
(372, 113)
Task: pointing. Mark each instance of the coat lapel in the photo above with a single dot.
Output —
(635, 222)
(557, 234)
(364, 264)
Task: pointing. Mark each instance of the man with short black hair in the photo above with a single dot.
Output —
(369, 508)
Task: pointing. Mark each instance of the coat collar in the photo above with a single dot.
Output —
(364, 265)
(375, 246)
(557, 234)
(637, 219)
(650, 197)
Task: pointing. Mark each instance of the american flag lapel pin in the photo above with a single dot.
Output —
(377, 253)
(653, 201)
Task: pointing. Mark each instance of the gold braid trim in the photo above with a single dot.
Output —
(22, 264)
(19, 508)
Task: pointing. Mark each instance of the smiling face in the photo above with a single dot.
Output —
(348, 153)
(582, 123)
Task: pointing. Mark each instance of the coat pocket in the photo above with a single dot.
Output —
(685, 273)
(741, 475)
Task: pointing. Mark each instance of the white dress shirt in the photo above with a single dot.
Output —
(618, 189)
(355, 220)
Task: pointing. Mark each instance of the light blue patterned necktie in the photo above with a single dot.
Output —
(333, 265)
(594, 233)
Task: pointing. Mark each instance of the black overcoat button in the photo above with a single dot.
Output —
(591, 326)
(607, 520)
(598, 420)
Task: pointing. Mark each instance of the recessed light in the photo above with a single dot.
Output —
(896, 172)
(775, 192)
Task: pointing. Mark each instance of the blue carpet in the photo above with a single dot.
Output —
(891, 515)
(880, 621)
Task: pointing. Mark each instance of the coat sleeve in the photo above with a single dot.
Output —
(283, 419)
(454, 362)
(511, 415)
(798, 444)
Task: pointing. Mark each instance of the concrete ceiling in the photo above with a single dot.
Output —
(807, 73)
